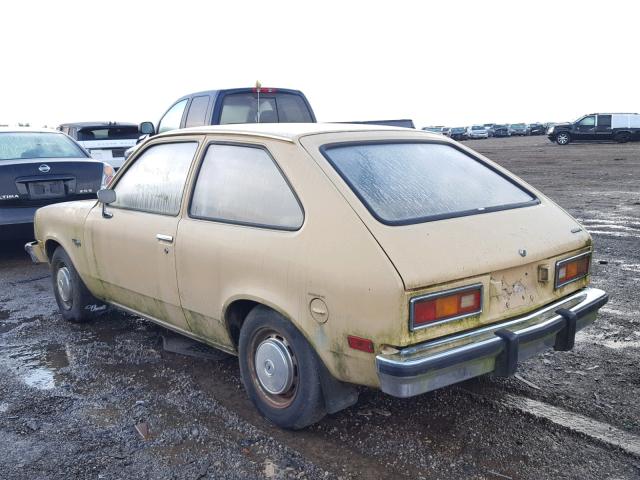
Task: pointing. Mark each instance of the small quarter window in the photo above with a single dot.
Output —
(604, 121)
(197, 111)
(173, 117)
(243, 185)
(155, 182)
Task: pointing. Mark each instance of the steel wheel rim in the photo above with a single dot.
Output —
(274, 368)
(64, 285)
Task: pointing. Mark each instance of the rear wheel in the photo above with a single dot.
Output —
(280, 370)
(74, 300)
(562, 138)
(622, 137)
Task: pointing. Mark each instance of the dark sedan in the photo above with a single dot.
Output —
(40, 167)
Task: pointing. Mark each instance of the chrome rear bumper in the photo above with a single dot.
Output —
(491, 349)
(36, 252)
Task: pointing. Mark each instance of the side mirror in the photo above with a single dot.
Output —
(106, 196)
(147, 128)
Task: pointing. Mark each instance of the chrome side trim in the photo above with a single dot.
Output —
(445, 293)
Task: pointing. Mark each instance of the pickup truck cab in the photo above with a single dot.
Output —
(233, 106)
(619, 127)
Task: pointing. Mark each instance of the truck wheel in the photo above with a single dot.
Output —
(280, 370)
(563, 138)
(622, 137)
(74, 300)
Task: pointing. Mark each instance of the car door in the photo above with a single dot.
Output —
(603, 127)
(240, 234)
(132, 244)
(586, 128)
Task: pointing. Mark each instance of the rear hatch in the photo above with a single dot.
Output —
(38, 182)
(436, 242)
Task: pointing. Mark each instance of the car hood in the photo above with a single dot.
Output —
(563, 124)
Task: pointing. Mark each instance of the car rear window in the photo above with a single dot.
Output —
(108, 133)
(404, 183)
(15, 145)
(278, 108)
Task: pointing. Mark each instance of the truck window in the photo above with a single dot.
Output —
(278, 108)
(589, 121)
(173, 117)
(108, 133)
(604, 121)
(292, 109)
(197, 111)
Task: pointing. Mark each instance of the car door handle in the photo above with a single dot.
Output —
(164, 238)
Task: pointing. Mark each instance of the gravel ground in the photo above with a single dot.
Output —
(72, 395)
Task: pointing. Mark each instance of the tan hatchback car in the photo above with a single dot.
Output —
(327, 256)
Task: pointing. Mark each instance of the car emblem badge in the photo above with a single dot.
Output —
(44, 168)
(522, 252)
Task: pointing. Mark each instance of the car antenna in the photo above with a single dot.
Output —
(258, 85)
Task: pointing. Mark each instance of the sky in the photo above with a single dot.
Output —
(438, 63)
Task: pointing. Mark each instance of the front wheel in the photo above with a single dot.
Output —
(280, 370)
(563, 138)
(74, 300)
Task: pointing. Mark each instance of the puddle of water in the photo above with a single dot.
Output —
(35, 366)
(601, 431)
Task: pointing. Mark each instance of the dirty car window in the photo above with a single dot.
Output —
(402, 183)
(154, 183)
(243, 185)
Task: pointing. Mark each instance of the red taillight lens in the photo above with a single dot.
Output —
(449, 305)
(264, 90)
(572, 269)
(362, 344)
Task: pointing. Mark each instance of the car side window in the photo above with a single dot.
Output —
(589, 121)
(155, 181)
(243, 185)
(173, 117)
(197, 111)
(604, 121)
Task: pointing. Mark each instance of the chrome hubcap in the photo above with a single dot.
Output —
(274, 366)
(63, 280)
(562, 138)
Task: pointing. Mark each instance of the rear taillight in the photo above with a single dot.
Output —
(264, 90)
(572, 269)
(445, 306)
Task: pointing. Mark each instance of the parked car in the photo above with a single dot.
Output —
(619, 127)
(327, 256)
(458, 133)
(433, 129)
(489, 128)
(477, 131)
(519, 129)
(446, 131)
(105, 141)
(501, 131)
(39, 167)
(536, 129)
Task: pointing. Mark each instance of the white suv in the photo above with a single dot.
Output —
(477, 131)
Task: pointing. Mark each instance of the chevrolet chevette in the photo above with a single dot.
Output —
(327, 256)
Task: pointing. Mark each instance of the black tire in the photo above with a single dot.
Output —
(622, 137)
(563, 138)
(302, 403)
(76, 303)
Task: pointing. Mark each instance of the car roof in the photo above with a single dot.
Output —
(28, 130)
(98, 124)
(289, 131)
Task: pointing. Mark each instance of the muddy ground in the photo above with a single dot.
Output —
(71, 395)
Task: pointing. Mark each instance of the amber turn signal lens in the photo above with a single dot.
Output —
(572, 269)
(446, 305)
